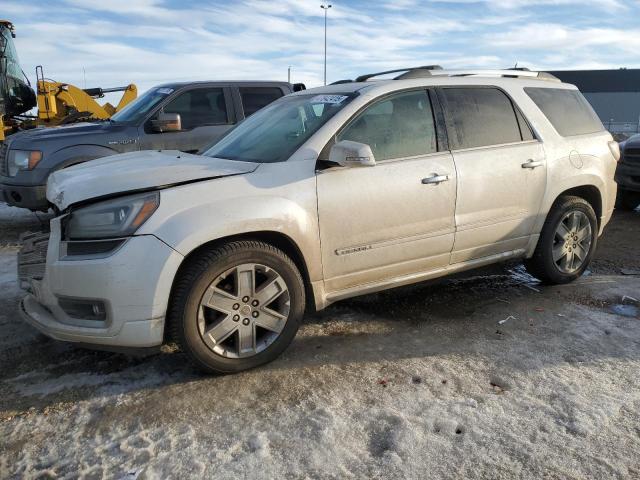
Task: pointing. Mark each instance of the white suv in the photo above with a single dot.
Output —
(325, 194)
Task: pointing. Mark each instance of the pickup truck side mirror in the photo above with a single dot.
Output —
(351, 154)
(166, 122)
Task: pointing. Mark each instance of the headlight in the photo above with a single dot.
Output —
(119, 217)
(23, 160)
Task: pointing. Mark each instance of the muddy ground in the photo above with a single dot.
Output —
(488, 375)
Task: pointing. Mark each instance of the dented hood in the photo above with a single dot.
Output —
(136, 171)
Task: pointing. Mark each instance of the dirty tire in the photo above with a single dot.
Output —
(541, 265)
(194, 280)
(627, 200)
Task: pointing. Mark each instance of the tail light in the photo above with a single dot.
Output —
(615, 150)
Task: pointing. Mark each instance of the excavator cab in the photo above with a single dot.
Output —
(16, 95)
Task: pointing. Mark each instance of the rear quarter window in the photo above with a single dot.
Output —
(567, 110)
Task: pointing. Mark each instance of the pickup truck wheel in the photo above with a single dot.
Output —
(627, 200)
(567, 242)
(236, 306)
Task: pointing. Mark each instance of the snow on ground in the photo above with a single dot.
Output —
(420, 382)
(14, 221)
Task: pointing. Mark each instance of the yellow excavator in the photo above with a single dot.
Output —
(58, 103)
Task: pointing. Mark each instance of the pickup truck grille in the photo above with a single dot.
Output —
(32, 257)
(632, 155)
(4, 167)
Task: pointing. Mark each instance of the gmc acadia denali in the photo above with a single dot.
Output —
(322, 195)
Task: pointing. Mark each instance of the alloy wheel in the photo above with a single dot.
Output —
(244, 310)
(572, 241)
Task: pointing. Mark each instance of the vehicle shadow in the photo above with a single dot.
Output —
(498, 316)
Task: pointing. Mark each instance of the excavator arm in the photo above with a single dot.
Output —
(60, 103)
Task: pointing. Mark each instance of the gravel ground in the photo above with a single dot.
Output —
(489, 375)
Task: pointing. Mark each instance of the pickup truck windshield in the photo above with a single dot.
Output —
(275, 132)
(138, 109)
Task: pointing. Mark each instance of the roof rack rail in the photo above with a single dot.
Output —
(340, 82)
(508, 73)
(424, 71)
(437, 70)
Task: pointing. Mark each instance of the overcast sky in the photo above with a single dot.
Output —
(152, 41)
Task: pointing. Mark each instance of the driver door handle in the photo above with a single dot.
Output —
(532, 164)
(435, 179)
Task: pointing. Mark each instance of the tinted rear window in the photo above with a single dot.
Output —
(567, 110)
(479, 117)
(254, 98)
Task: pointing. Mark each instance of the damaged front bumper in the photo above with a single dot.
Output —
(132, 301)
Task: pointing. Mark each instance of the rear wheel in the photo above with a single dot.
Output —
(567, 242)
(237, 306)
(627, 200)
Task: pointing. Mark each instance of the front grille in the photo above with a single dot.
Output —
(4, 167)
(631, 155)
(32, 257)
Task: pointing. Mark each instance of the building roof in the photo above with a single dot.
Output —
(621, 80)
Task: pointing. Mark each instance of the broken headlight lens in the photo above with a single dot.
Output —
(120, 217)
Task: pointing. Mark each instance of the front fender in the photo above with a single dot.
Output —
(191, 216)
(73, 155)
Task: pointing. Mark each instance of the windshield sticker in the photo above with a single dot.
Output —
(165, 91)
(332, 99)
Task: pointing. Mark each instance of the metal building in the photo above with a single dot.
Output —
(613, 94)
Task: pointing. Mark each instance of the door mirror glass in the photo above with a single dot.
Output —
(166, 122)
(352, 154)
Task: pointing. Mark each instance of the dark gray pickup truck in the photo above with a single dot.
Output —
(628, 174)
(173, 116)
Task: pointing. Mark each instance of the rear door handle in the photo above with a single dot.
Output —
(532, 164)
(435, 179)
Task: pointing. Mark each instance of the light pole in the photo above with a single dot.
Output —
(289, 74)
(326, 9)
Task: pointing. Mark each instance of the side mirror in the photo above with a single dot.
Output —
(352, 154)
(166, 122)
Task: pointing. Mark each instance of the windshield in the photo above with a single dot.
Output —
(274, 133)
(138, 109)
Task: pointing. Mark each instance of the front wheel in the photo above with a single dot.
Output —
(567, 242)
(236, 306)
